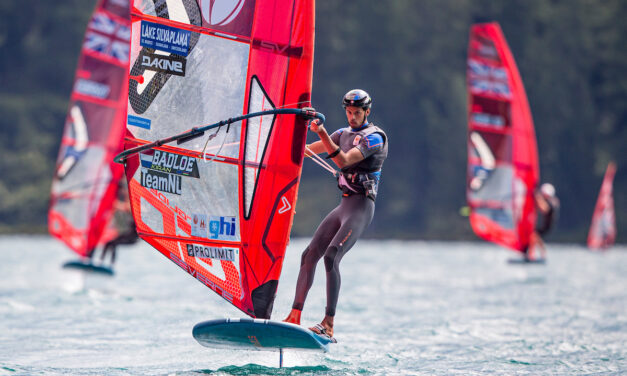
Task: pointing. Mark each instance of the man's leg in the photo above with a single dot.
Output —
(356, 214)
(309, 259)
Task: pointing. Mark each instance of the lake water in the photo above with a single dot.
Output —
(419, 308)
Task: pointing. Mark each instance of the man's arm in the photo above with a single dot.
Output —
(543, 205)
(316, 147)
(341, 159)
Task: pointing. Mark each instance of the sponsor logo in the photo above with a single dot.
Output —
(171, 163)
(92, 88)
(161, 181)
(167, 64)
(356, 140)
(221, 12)
(199, 225)
(164, 38)
(216, 253)
(137, 121)
(285, 205)
(222, 228)
(281, 49)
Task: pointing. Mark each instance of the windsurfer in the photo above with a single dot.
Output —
(359, 151)
(548, 205)
(124, 220)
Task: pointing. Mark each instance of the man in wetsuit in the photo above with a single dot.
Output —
(548, 206)
(359, 151)
(127, 232)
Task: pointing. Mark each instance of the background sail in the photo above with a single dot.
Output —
(219, 206)
(502, 153)
(86, 179)
(602, 232)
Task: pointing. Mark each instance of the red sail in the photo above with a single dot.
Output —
(220, 206)
(86, 178)
(602, 232)
(503, 167)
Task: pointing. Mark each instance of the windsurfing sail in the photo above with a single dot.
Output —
(602, 232)
(503, 167)
(86, 179)
(219, 203)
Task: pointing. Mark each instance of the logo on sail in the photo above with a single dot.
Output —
(164, 171)
(161, 181)
(171, 163)
(216, 253)
(165, 38)
(222, 228)
(92, 88)
(285, 205)
(221, 12)
(214, 227)
(166, 64)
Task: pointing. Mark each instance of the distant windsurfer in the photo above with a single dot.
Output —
(127, 232)
(547, 204)
(359, 151)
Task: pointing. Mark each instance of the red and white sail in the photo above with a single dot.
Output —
(602, 232)
(219, 206)
(503, 169)
(86, 179)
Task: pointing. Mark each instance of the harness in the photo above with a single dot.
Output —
(362, 178)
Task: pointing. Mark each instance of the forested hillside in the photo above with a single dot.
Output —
(410, 56)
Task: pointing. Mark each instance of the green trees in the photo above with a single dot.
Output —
(410, 55)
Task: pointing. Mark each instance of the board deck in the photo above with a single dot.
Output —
(258, 334)
(88, 266)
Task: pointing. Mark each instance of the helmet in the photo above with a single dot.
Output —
(357, 98)
(547, 189)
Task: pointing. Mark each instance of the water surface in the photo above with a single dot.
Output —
(432, 308)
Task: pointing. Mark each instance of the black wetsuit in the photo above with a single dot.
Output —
(341, 228)
(127, 235)
(547, 219)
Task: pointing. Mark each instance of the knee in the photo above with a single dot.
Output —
(309, 256)
(331, 258)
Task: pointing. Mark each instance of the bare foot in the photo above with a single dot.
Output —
(293, 317)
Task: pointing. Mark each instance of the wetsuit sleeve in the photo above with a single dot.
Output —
(370, 144)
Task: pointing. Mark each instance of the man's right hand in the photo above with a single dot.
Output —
(315, 126)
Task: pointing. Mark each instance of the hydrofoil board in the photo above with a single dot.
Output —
(88, 266)
(258, 334)
(540, 261)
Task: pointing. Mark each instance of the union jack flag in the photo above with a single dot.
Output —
(108, 37)
(484, 78)
(103, 23)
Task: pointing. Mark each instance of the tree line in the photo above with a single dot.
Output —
(411, 57)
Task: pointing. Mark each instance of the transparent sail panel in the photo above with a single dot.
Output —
(83, 184)
(494, 198)
(209, 91)
(206, 198)
(257, 134)
(151, 216)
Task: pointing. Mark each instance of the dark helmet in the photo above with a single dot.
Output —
(357, 98)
